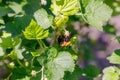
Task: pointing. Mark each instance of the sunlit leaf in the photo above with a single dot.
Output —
(97, 12)
(111, 73)
(17, 8)
(6, 43)
(115, 57)
(64, 7)
(17, 51)
(34, 31)
(60, 20)
(57, 66)
(1, 51)
(43, 19)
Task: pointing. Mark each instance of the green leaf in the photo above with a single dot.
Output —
(17, 51)
(3, 11)
(97, 12)
(40, 52)
(35, 32)
(12, 55)
(1, 22)
(35, 54)
(31, 6)
(115, 57)
(52, 53)
(70, 7)
(111, 73)
(18, 25)
(57, 66)
(91, 71)
(46, 54)
(42, 59)
(85, 2)
(43, 19)
(1, 52)
(65, 7)
(6, 42)
(118, 38)
(60, 20)
(75, 75)
(62, 9)
(109, 29)
(26, 53)
(17, 8)
(18, 73)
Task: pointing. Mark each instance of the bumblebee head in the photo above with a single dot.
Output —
(66, 33)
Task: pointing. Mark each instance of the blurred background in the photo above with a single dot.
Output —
(93, 45)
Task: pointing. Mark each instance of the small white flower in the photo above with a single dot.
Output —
(43, 2)
(33, 73)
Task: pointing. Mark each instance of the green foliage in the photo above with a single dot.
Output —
(18, 73)
(60, 20)
(56, 67)
(1, 52)
(94, 13)
(17, 8)
(74, 75)
(16, 53)
(91, 71)
(3, 11)
(43, 19)
(6, 43)
(109, 29)
(35, 32)
(111, 73)
(62, 9)
(118, 38)
(18, 25)
(29, 39)
(115, 5)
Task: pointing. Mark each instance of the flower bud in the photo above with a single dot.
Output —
(33, 73)
(43, 2)
(12, 64)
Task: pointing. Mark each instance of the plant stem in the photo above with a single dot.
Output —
(20, 63)
(42, 73)
(82, 13)
(32, 61)
(8, 78)
(41, 46)
(41, 43)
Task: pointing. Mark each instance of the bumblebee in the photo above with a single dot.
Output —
(64, 39)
